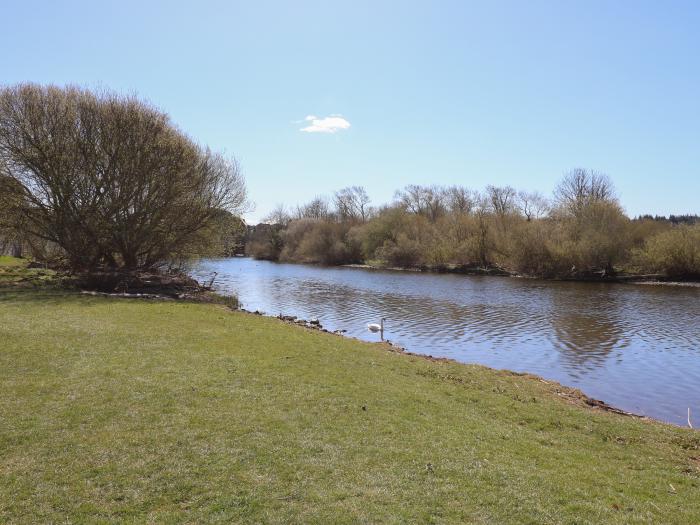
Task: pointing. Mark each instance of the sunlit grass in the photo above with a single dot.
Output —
(6, 260)
(14, 271)
(126, 410)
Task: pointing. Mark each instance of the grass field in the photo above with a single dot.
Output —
(128, 410)
(6, 261)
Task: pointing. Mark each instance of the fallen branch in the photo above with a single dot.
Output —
(596, 403)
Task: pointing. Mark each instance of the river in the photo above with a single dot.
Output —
(636, 347)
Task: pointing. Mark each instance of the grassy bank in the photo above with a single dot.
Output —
(14, 272)
(126, 410)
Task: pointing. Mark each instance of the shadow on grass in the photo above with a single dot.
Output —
(37, 294)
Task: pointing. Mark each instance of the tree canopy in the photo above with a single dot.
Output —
(109, 178)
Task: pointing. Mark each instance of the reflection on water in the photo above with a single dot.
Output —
(588, 333)
(636, 347)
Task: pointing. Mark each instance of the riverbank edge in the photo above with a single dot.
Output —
(515, 432)
(646, 279)
(590, 402)
(230, 303)
(573, 395)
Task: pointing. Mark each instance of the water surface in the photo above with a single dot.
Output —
(636, 347)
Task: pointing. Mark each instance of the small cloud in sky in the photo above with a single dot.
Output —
(330, 124)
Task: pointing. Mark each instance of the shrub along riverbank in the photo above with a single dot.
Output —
(128, 410)
(581, 233)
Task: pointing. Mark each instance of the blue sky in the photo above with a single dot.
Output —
(439, 92)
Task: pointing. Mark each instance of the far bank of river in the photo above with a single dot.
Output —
(653, 279)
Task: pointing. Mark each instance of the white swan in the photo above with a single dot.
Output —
(374, 327)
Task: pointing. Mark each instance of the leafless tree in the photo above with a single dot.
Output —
(11, 223)
(318, 208)
(482, 208)
(109, 178)
(501, 199)
(533, 205)
(428, 201)
(279, 215)
(352, 204)
(581, 187)
(460, 200)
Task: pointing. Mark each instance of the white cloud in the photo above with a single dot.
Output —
(331, 124)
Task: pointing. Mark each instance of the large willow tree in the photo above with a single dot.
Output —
(109, 178)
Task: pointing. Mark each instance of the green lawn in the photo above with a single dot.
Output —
(14, 272)
(6, 261)
(127, 410)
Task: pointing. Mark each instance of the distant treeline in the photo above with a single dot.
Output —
(581, 231)
(675, 219)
